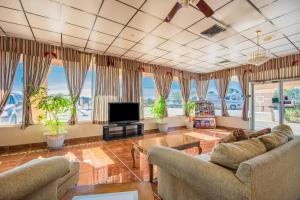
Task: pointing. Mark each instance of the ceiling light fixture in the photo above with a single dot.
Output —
(260, 56)
(185, 3)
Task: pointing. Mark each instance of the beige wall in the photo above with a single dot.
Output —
(232, 122)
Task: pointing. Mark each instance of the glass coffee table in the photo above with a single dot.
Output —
(175, 141)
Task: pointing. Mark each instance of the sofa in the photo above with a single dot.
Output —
(39, 179)
(272, 174)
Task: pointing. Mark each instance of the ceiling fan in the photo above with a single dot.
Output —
(201, 5)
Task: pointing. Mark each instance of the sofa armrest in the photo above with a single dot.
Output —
(23, 180)
(201, 175)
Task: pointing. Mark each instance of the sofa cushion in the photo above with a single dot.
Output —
(230, 155)
(285, 130)
(273, 140)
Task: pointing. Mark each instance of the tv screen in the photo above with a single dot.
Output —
(123, 112)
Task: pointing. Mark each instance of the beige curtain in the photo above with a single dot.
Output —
(244, 83)
(8, 67)
(185, 87)
(35, 69)
(222, 87)
(163, 81)
(202, 87)
(132, 90)
(107, 89)
(76, 66)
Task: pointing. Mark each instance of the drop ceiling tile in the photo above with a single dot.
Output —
(141, 48)
(183, 50)
(102, 38)
(184, 37)
(157, 52)
(186, 17)
(115, 51)
(243, 45)
(144, 22)
(275, 43)
(265, 28)
(12, 16)
(135, 3)
(288, 52)
(160, 60)
(161, 11)
(97, 46)
(195, 54)
(152, 40)
(45, 23)
(108, 27)
(279, 8)
(166, 30)
(125, 44)
(211, 48)
(172, 63)
(169, 46)
(287, 20)
(43, 7)
(75, 31)
(132, 34)
(216, 4)
(42, 35)
(16, 30)
(147, 58)
(265, 38)
(199, 43)
(290, 30)
(262, 3)
(73, 41)
(297, 44)
(225, 34)
(248, 50)
(243, 17)
(117, 11)
(90, 6)
(282, 48)
(78, 17)
(233, 40)
(15, 4)
(171, 56)
(203, 25)
(133, 54)
(232, 55)
(1, 32)
(223, 52)
(182, 59)
(295, 38)
(192, 62)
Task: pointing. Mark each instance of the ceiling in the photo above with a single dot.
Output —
(135, 29)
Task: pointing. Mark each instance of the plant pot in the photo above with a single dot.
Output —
(163, 127)
(189, 124)
(55, 141)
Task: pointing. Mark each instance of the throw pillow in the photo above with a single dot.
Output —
(236, 135)
(273, 140)
(230, 155)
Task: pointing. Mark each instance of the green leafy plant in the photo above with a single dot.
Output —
(158, 109)
(189, 108)
(52, 107)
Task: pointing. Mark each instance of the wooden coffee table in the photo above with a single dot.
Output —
(144, 190)
(175, 141)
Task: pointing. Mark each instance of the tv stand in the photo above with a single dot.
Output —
(118, 131)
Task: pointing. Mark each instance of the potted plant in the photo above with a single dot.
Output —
(52, 107)
(158, 109)
(189, 110)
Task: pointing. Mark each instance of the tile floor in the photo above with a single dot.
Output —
(109, 162)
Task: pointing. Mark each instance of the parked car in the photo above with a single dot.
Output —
(234, 101)
(12, 109)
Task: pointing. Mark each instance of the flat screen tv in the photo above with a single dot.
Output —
(123, 113)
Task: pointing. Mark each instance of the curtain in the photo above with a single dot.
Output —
(76, 66)
(202, 87)
(244, 83)
(36, 69)
(132, 90)
(8, 67)
(107, 89)
(163, 80)
(222, 87)
(185, 87)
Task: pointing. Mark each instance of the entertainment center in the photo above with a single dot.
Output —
(123, 121)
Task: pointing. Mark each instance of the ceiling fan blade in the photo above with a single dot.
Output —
(172, 13)
(203, 7)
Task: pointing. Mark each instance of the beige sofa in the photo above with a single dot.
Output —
(39, 179)
(273, 175)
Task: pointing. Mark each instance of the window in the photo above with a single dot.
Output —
(213, 96)
(12, 113)
(193, 93)
(234, 98)
(174, 101)
(84, 107)
(57, 85)
(149, 93)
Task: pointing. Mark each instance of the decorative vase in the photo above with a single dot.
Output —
(163, 127)
(55, 141)
(189, 124)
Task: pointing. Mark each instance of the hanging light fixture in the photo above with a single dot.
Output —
(259, 56)
(185, 3)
